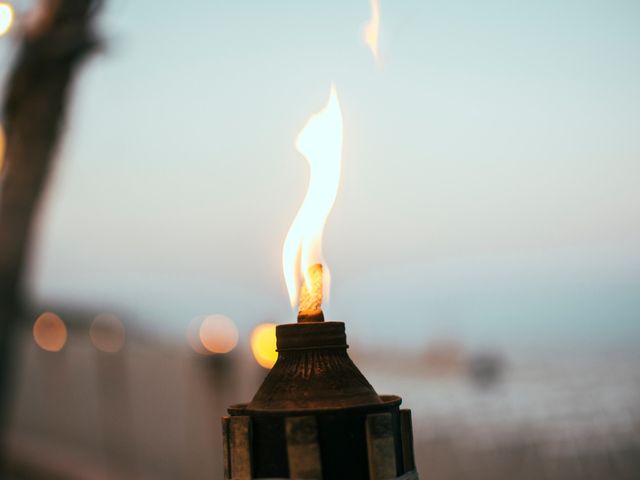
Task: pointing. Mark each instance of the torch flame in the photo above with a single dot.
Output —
(320, 142)
(371, 30)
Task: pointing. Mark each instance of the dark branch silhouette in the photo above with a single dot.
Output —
(58, 37)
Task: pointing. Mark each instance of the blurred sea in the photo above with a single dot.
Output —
(152, 410)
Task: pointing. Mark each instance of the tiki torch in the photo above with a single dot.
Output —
(316, 416)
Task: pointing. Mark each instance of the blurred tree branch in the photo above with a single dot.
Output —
(57, 36)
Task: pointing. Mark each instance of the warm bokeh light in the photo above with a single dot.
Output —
(320, 142)
(218, 334)
(193, 335)
(107, 333)
(6, 17)
(371, 30)
(50, 332)
(263, 344)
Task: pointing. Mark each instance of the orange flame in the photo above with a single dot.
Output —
(371, 30)
(320, 142)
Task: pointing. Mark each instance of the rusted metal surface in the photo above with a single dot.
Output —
(309, 336)
(406, 433)
(316, 416)
(226, 461)
(412, 475)
(240, 448)
(313, 371)
(303, 450)
(381, 446)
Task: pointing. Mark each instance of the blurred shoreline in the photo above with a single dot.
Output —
(152, 409)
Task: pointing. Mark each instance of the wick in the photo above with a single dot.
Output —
(311, 296)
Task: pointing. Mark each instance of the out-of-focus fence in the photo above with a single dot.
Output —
(152, 409)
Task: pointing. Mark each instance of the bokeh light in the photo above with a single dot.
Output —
(50, 332)
(6, 17)
(263, 344)
(193, 335)
(218, 334)
(107, 333)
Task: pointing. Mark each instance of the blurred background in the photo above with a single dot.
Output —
(483, 246)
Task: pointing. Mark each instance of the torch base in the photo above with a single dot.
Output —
(316, 416)
(370, 442)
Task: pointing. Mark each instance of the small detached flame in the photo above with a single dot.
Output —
(371, 30)
(320, 142)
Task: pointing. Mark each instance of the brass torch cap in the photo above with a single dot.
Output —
(313, 372)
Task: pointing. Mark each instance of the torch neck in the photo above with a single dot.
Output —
(310, 316)
(310, 335)
(313, 371)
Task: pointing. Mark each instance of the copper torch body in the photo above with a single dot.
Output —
(317, 417)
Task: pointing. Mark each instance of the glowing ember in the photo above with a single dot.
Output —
(320, 142)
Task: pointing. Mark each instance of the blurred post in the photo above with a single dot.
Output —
(116, 416)
(56, 38)
(108, 336)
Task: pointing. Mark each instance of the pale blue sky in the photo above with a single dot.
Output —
(490, 178)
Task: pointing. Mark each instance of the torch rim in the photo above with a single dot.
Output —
(387, 401)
